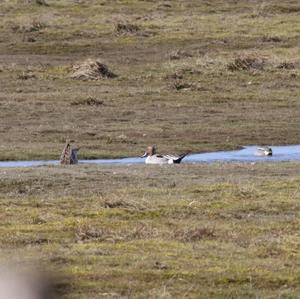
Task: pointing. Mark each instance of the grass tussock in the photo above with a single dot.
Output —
(193, 235)
(179, 54)
(32, 26)
(87, 233)
(247, 63)
(41, 2)
(287, 65)
(272, 39)
(113, 203)
(90, 101)
(126, 29)
(91, 69)
(181, 85)
(27, 75)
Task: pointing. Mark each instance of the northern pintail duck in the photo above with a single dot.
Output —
(154, 158)
(264, 151)
(69, 154)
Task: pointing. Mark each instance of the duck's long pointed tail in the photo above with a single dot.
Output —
(180, 157)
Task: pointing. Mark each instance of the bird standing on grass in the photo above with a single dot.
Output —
(69, 154)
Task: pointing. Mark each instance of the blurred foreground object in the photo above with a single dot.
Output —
(22, 284)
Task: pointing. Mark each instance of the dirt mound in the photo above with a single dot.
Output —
(247, 63)
(91, 70)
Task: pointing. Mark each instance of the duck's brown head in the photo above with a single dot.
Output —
(150, 151)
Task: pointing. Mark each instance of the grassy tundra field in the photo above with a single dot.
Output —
(191, 75)
(182, 231)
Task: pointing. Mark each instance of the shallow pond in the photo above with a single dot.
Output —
(246, 154)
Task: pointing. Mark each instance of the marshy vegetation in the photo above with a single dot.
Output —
(191, 76)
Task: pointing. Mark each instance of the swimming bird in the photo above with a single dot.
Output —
(154, 158)
(264, 151)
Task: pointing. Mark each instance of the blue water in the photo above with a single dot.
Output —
(246, 154)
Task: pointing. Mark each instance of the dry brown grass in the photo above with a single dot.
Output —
(288, 65)
(33, 26)
(247, 63)
(90, 101)
(196, 234)
(91, 70)
(125, 28)
(179, 54)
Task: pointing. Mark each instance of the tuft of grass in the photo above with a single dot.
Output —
(246, 63)
(90, 101)
(123, 29)
(195, 234)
